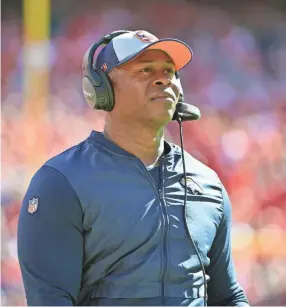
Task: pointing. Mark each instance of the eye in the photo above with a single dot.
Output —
(170, 71)
(146, 69)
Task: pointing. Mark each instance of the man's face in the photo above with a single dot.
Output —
(146, 88)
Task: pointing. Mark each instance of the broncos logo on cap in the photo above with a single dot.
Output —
(145, 36)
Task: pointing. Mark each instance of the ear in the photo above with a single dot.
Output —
(179, 85)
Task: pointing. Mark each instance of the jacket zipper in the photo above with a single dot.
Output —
(165, 233)
(165, 222)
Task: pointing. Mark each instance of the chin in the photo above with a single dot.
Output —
(161, 114)
(162, 119)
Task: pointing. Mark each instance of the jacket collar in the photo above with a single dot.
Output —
(99, 138)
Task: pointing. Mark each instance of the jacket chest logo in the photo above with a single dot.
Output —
(192, 186)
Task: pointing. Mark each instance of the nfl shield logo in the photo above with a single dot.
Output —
(33, 205)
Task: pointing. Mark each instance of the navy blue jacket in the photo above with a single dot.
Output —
(97, 227)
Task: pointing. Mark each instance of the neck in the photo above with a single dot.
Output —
(146, 143)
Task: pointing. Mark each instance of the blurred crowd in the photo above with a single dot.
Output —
(238, 80)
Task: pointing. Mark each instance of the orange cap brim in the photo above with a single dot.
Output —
(179, 52)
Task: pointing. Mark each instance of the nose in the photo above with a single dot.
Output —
(162, 80)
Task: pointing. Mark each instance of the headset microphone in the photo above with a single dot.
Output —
(187, 112)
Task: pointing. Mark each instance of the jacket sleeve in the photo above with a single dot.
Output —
(50, 241)
(223, 288)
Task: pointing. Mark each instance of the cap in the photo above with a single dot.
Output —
(127, 46)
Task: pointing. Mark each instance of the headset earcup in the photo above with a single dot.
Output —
(104, 92)
(98, 90)
(109, 92)
(89, 91)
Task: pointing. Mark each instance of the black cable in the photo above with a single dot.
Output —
(185, 203)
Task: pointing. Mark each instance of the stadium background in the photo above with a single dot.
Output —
(237, 79)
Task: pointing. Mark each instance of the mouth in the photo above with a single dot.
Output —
(167, 97)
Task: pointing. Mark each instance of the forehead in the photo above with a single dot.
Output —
(152, 56)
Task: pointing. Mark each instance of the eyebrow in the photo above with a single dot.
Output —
(150, 62)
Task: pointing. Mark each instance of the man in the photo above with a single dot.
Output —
(104, 223)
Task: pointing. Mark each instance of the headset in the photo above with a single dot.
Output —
(99, 94)
(97, 87)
